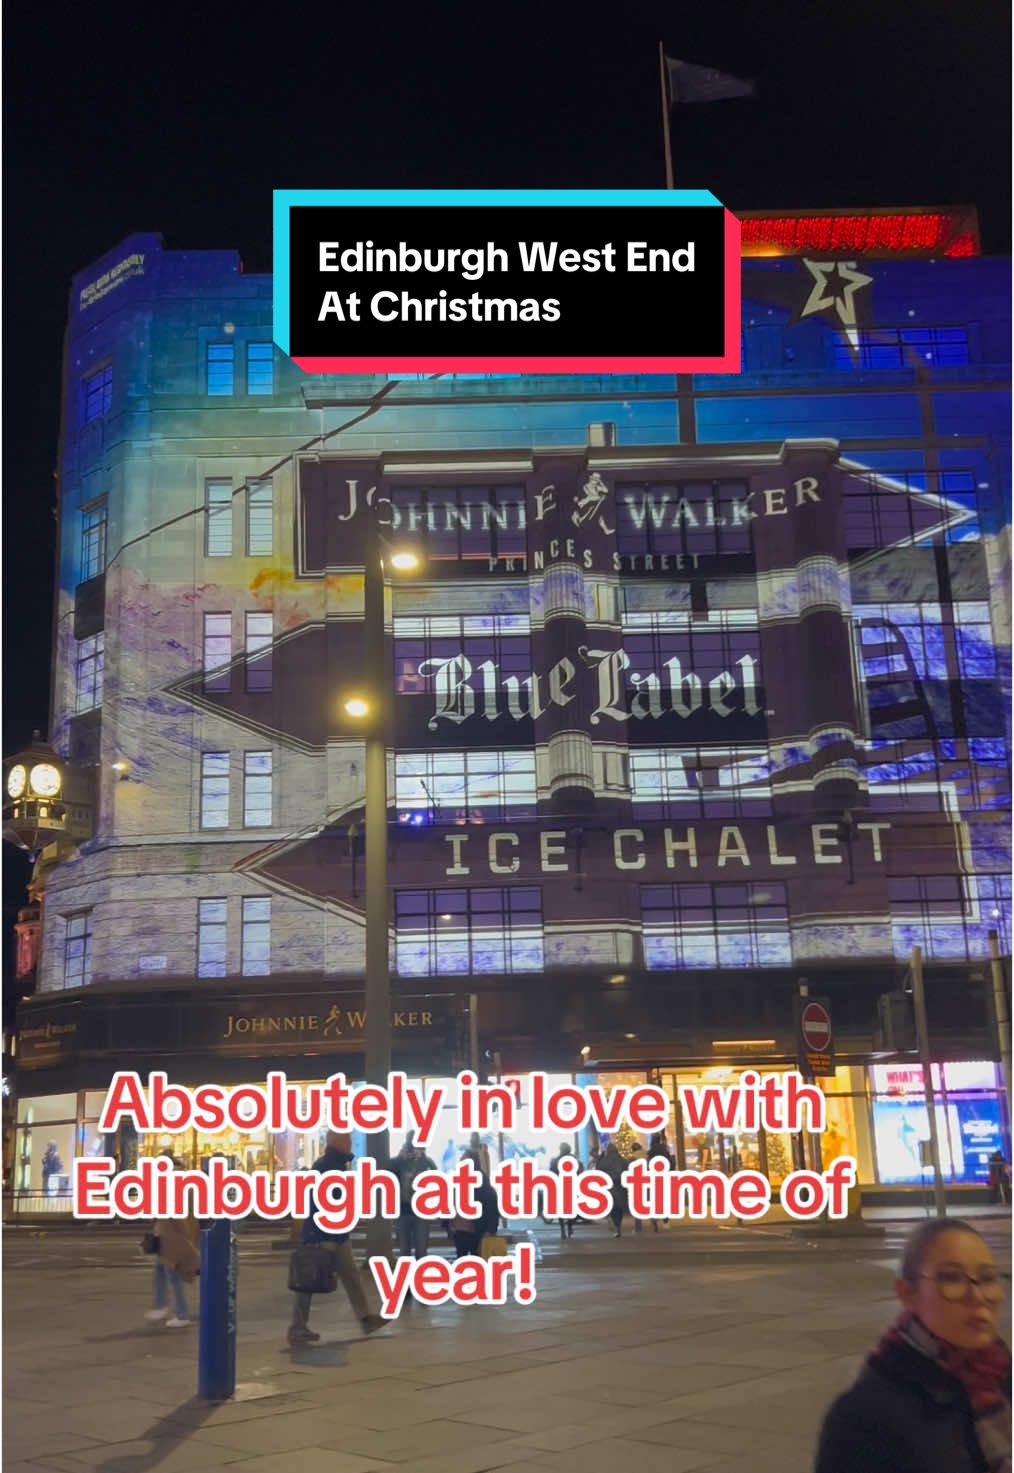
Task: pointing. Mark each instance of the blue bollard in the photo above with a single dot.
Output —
(216, 1348)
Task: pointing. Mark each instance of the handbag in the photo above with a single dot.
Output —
(313, 1269)
(150, 1243)
(493, 1246)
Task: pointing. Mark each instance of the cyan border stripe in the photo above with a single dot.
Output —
(285, 199)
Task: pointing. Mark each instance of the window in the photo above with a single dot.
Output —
(454, 932)
(90, 661)
(698, 782)
(259, 529)
(464, 522)
(256, 938)
(217, 651)
(211, 938)
(77, 950)
(688, 926)
(96, 393)
(259, 638)
(876, 513)
(949, 916)
(441, 787)
(221, 360)
(968, 775)
(901, 347)
(257, 790)
(214, 790)
(260, 368)
(503, 638)
(218, 518)
(682, 517)
(93, 541)
(676, 655)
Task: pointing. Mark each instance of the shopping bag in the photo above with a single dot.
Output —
(313, 1270)
(150, 1243)
(493, 1246)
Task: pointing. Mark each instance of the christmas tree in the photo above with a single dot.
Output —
(625, 1140)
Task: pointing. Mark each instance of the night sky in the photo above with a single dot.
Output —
(182, 119)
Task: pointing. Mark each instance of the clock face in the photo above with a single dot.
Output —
(44, 780)
(16, 779)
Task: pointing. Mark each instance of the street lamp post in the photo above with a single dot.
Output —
(378, 966)
(374, 704)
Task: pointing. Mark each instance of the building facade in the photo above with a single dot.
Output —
(702, 692)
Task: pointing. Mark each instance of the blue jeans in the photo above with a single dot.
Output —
(164, 1278)
(413, 1236)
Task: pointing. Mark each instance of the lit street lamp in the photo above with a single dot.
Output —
(374, 709)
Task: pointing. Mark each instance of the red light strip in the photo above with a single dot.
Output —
(921, 234)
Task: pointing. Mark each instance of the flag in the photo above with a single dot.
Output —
(688, 83)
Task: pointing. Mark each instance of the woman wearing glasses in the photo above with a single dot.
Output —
(934, 1397)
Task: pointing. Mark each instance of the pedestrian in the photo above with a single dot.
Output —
(475, 1144)
(177, 1262)
(337, 1157)
(999, 1178)
(658, 1150)
(469, 1232)
(566, 1223)
(638, 1153)
(934, 1397)
(413, 1231)
(613, 1164)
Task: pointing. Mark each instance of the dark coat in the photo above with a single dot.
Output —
(332, 1160)
(904, 1415)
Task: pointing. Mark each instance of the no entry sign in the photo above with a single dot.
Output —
(815, 1039)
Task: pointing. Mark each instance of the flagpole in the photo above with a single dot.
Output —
(665, 118)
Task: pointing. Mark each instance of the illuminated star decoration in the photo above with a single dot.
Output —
(835, 284)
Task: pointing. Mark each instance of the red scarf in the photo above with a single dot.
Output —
(985, 1373)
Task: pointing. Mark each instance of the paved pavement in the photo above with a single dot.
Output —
(696, 1348)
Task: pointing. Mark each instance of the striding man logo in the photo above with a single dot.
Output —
(594, 493)
(333, 1020)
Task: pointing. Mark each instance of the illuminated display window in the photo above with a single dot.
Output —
(259, 629)
(694, 782)
(682, 517)
(503, 638)
(96, 393)
(441, 787)
(77, 950)
(217, 651)
(218, 518)
(690, 926)
(256, 949)
(901, 347)
(257, 778)
(214, 790)
(454, 932)
(93, 541)
(968, 1113)
(211, 938)
(221, 368)
(463, 522)
(260, 368)
(90, 663)
(259, 518)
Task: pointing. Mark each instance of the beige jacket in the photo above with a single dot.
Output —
(178, 1241)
